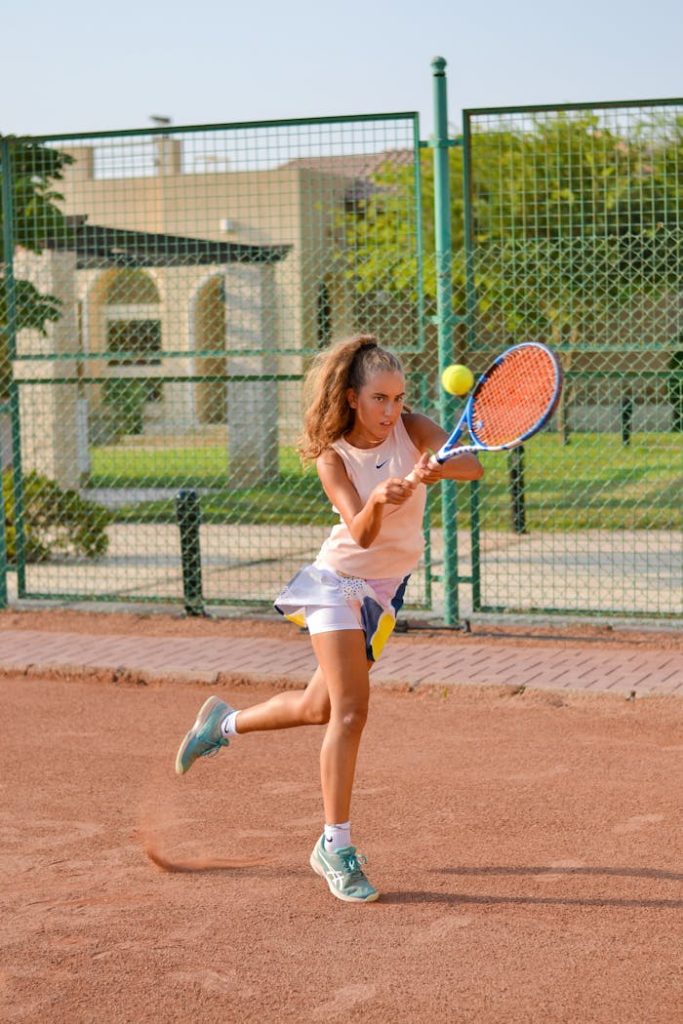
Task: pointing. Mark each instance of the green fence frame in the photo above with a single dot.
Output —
(450, 323)
(87, 362)
(502, 120)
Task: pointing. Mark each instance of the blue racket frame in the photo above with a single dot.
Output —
(449, 448)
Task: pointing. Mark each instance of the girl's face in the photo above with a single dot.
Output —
(377, 406)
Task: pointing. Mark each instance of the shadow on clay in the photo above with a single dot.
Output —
(564, 870)
(465, 899)
(461, 899)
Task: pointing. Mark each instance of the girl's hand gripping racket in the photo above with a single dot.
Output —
(511, 401)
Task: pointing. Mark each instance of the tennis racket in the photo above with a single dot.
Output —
(511, 402)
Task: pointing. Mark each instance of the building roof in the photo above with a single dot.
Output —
(98, 247)
(355, 165)
(359, 168)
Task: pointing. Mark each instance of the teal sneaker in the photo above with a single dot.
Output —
(205, 737)
(343, 873)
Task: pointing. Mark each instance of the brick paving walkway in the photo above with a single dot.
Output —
(563, 666)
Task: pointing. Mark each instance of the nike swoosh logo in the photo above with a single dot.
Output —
(378, 465)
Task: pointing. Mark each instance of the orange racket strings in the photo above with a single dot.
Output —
(518, 392)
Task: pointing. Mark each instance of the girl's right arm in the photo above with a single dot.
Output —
(363, 519)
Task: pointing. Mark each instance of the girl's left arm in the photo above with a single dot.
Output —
(428, 437)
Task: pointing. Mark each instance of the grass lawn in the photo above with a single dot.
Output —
(592, 482)
(190, 466)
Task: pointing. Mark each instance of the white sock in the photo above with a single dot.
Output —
(337, 836)
(228, 725)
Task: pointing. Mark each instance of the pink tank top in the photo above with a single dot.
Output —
(397, 548)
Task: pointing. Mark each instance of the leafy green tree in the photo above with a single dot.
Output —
(378, 231)
(37, 217)
(570, 220)
(579, 220)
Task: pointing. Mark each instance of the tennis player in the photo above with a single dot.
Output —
(364, 442)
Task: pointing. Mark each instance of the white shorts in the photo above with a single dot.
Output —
(324, 601)
(324, 618)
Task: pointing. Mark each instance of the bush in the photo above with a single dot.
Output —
(57, 523)
(124, 404)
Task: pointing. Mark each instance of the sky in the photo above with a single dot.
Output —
(81, 67)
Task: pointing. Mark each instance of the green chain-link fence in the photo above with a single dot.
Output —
(165, 290)
(574, 236)
(166, 303)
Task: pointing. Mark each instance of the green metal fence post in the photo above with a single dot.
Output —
(4, 600)
(517, 493)
(426, 401)
(468, 233)
(475, 546)
(626, 409)
(188, 514)
(445, 322)
(471, 338)
(6, 182)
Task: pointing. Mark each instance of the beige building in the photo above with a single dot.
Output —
(189, 275)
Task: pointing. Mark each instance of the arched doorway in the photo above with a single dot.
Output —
(132, 342)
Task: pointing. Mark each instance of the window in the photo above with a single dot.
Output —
(138, 340)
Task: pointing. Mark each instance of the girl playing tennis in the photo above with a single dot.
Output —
(364, 443)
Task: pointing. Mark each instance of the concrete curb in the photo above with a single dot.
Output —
(129, 676)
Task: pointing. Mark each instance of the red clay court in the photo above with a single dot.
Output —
(527, 842)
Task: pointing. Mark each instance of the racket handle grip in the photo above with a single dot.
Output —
(412, 476)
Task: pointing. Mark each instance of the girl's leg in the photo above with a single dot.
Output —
(342, 659)
(291, 708)
(341, 655)
(337, 693)
(308, 707)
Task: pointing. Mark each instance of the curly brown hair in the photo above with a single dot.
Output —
(347, 364)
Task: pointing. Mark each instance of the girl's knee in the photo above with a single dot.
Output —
(353, 719)
(317, 715)
(315, 712)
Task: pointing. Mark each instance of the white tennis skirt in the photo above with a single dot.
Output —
(324, 601)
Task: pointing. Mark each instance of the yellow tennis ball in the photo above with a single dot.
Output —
(457, 379)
